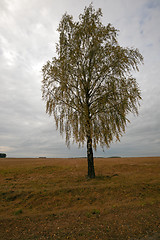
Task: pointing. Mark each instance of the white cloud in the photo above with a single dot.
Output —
(27, 40)
(4, 149)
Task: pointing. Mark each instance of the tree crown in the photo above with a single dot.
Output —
(89, 87)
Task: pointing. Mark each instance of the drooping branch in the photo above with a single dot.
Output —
(89, 85)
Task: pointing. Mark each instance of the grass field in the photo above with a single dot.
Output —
(53, 199)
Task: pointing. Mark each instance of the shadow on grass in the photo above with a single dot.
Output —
(102, 177)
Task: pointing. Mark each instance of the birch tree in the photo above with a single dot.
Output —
(88, 86)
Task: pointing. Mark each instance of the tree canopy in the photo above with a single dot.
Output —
(88, 86)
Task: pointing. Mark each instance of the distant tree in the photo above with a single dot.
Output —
(88, 86)
(3, 155)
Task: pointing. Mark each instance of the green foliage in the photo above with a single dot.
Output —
(89, 87)
(3, 155)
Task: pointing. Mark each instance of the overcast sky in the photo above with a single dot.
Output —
(27, 40)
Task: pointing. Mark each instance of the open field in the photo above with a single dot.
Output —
(53, 199)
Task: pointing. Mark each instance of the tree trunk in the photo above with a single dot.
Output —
(91, 172)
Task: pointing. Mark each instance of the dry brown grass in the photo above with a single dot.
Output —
(53, 199)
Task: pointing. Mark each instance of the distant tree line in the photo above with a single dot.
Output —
(3, 155)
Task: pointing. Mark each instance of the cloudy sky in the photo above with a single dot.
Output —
(27, 40)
